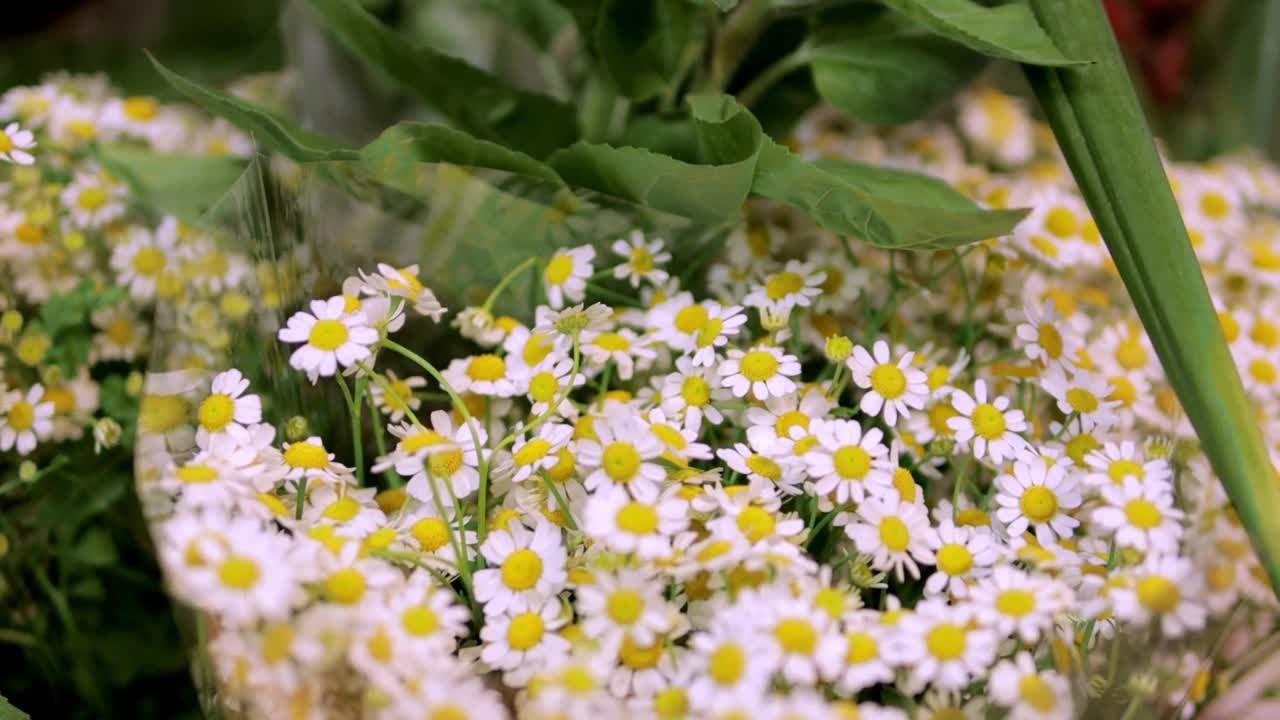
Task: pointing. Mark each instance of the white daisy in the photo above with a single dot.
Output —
(15, 144)
(624, 603)
(1141, 515)
(330, 336)
(626, 349)
(1030, 693)
(939, 644)
(27, 418)
(524, 568)
(1083, 394)
(964, 555)
(522, 642)
(843, 463)
(93, 199)
(623, 453)
(643, 525)
(541, 452)
(227, 405)
(895, 533)
(892, 387)
(442, 457)
(565, 276)
(1015, 603)
(763, 371)
(485, 374)
(397, 398)
(796, 285)
(642, 259)
(1164, 587)
(991, 426)
(403, 283)
(855, 660)
(145, 258)
(1040, 495)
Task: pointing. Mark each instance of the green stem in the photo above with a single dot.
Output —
(505, 281)
(354, 409)
(555, 493)
(393, 477)
(770, 76)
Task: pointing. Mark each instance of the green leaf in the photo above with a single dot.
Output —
(1103, 134)
(1006, 31)
(888, 208)
(9, 712)
(469, 97)
(174, 184)
(268, 129)
(641, 44)
(540, 20)
(892, 78)
(399, 151)
(95, 549)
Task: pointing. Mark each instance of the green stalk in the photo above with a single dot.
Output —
(1100, 126)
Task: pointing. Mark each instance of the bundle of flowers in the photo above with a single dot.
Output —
(824, 480)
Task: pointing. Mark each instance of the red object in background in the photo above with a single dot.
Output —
(1157, 35)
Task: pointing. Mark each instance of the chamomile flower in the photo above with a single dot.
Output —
(1016, 603)
(549, 383)
(1164, 588)
(964, 554)
(522, 641)
(440, 461)
(642, 259)
(787, 422)
(1030, 693)
(643, 525)
(940, 645)
(991, 427)
(892, 388)
(485, 374)
(227, 405)
(16, 144)
(785, 473)
(330, 337)
(763, 371)
(627, 604)
(93, 199)
(796, 285)
(143, 261)
(896, 534)
(1141, 514)
(795, 628)
(565, 276)
(1040, 496)
(1082, 395)
(403, 283)
(533, 455)
(242, 574)
(855, 659)
(397, 398)
(524, 568)
(1045, 336)
(25, 418)
(1115, 462)
(623, 453)
(843, 462)
(731, 662)
(692, 393)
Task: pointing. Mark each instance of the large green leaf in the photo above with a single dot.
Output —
(1100, 126)
(642, 44)
(469, 97)
(888, 208)
(1007, 31)
(181, 185)
(400, 148)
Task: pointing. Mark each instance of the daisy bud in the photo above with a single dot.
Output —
(1097, 686)
(11, 320)
(1144, 683)
(997, 264)
(73, 241)
(839, 348)
(133, 384)
(106, 434)
(297, 428)
(32, 348)
(775, 319)
(941, 446)
(861, 574)
(53, 375)
(27, 471)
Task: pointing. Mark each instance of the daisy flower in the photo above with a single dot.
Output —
(548, 382)
(565, 276)
(796, 285)
(720, 324)
(642, 259)
(1045, 336)
(1115, 462)
(843, 462)
(15, 144)
(692, 392)
(623, 453)
(308, 459)
(93, 200)
(892, 387)
(244, 574)
(1141, 515)
(330, 337)
(403, 283)
(142, 261)
(397, 398)
(524, 568)
(964, 555)
(786, 474)
(625, 603)
(895, 533)
(523, 641)
(764, 371)
(1040, 495)
(1014, 603)
(783, 427)
(643, 525)
(940, 645)
(795, 628)
(855, 659)
(1164, 588)
(526, 349)
(27, 418)
(484, 374)
(541, 452)
(731, 663)
(443, 455)
(991, 426)
(1083, 395)
(1030, 693)
(227, 405)
(999, 125)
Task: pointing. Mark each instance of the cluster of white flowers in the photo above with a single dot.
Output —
(839, 483)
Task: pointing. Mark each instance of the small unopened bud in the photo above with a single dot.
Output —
(53, 376)
(996, 264)
(839, 348)
(941, 446)
(106, 434)
(774, 320)
(297, 428)
(1097, 686)
(27, 471)
(11, 320)
(133, 384)
(1143, 683)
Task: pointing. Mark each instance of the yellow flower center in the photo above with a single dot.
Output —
(449, 712)
(621, 461)
(894, 533)
(525, 631)
(1122, 390)
(27, 233)
(791, 419)
(1037, 693)
(420, 620)
(988, 422)
(796, 636)
(696, 391)
(431, 533)
(345, 586)
(756, 523)
(641, 260)
(1215, 205)
(612, 342)
(637, 519)
(564, 467)
(92, 199)
(783, 284)
(905, 484)
(830, 601)
(216, 412)
(141, 108)
(161, 413)
(860, 647)
(1131, 354)
(1039, 504)
(939, 415)
(1263, 371)
(277, 643)
(671, 704)
(1046, 246)
(851, 462)
(624, 606)
(445, 463)
(1051, 341)
(759, 365)
(954, 559)
(1015, 603)
(543, 387)
(1082, 401)
(532, 451)
(1220, 576)
(343, 509)
(1062, 222)
(197, 473)
(6, 142)
(972, 517)
(638, 657)
(727, 664)
(536, 349)
(558, 270)
(833, 282)
(1143, 514)
(522, 569)
(22, 416)
(486, 368)
(1158, 594)
(149, 261)
(764, 467)
(710, 330)
(938, 377)
(889, 380)
(328, 335)
(239, 572)
(1121, 469)
(307, 456)
(946, 641)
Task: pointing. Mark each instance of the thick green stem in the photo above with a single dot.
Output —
(1099, 124)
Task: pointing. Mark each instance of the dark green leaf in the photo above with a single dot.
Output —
(181, 185)
(674, 136)
(540, 20)
(641, 44)
(471, 98)
(399, 151)
(891, 72)
(1007, 31)
(9, 712)
(95, 549)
